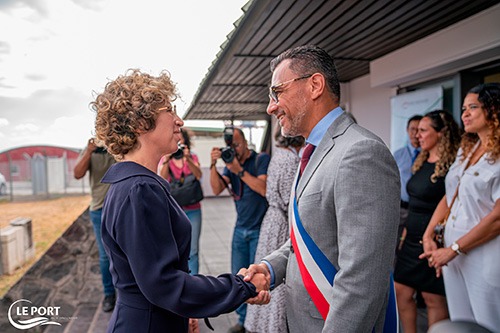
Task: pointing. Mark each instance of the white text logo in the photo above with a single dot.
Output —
(33, 311)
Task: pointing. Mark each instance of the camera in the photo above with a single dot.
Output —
(179, 153)
(227, 153)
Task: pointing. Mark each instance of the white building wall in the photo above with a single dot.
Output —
(468, 43)
(371, 106)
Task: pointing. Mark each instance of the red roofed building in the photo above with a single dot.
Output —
(41, 169)
(20, 160)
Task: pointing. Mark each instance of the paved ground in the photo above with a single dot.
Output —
(68, 275)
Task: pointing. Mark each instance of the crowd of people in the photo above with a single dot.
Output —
(329, 232)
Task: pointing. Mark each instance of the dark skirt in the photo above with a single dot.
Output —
(410, 270)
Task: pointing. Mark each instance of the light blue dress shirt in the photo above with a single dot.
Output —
(405, 157)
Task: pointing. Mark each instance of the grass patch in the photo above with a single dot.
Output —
(50, 219)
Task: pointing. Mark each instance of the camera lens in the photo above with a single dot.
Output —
(227, 154)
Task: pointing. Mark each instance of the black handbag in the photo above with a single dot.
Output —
(186, 190)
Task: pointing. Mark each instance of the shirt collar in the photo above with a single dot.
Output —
(322, 126)
(411, 148)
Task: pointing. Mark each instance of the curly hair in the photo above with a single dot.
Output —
(128, 106)
(489, 97)
(443, 122)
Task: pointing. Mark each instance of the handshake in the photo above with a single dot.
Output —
(260, 277)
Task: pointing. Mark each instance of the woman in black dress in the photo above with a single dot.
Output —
(439, 137)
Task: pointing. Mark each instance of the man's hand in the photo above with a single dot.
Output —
(215, 154)
(262, 283)
(259, 280)
(255, 269)
(234, 166)
(91, 146)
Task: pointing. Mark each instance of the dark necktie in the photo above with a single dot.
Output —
(415, 154)
(305, 156)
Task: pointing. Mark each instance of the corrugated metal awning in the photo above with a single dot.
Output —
(354, 32)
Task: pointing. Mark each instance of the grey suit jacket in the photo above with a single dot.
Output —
(348, 201)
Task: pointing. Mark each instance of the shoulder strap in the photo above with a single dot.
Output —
(456, 191)
(451, 205)
(172, 174)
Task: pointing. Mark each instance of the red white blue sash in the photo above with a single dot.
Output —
(318, 272)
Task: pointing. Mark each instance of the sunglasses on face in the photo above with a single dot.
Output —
(273, 94)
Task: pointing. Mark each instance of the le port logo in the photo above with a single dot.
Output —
(37, 316)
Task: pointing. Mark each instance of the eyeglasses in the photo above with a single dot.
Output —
(273, 94)
(170, 108)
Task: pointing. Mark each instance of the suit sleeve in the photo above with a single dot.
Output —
(366, 195)
(278, 261)
(147, 239)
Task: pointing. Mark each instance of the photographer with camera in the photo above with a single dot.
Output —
(96, 160)
(246, 173)
(178, 167)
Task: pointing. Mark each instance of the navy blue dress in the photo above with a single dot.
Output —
(147, 238)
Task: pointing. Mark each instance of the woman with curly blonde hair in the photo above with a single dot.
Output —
(439, 138)
(469, 261)
(144, 231)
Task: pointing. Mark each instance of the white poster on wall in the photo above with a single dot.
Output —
(404, 106)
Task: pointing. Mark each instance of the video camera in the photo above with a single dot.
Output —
(179, 153)
(228, 153)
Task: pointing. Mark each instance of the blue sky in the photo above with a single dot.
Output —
(54, 54)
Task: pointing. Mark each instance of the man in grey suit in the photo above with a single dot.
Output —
(345, 212)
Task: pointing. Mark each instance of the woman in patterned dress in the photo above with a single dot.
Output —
(274, 230)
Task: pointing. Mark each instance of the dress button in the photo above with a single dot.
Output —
(476, 173)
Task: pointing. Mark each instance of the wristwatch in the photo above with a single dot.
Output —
(455, 247)
(241, 173)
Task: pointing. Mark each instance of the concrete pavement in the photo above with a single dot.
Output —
(68, 275)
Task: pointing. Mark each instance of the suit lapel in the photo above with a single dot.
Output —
(337, 128)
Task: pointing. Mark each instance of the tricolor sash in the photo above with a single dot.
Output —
(318, 272)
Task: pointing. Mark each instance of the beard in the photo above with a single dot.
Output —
(296, 122)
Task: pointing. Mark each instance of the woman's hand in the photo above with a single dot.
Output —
(440, 258)
(193, 326)
(429, 247)
(261, 281)
(264, 297)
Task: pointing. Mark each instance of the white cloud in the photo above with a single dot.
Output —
(81, 129)
(53, 54)
(27, 128)
(3, 122)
